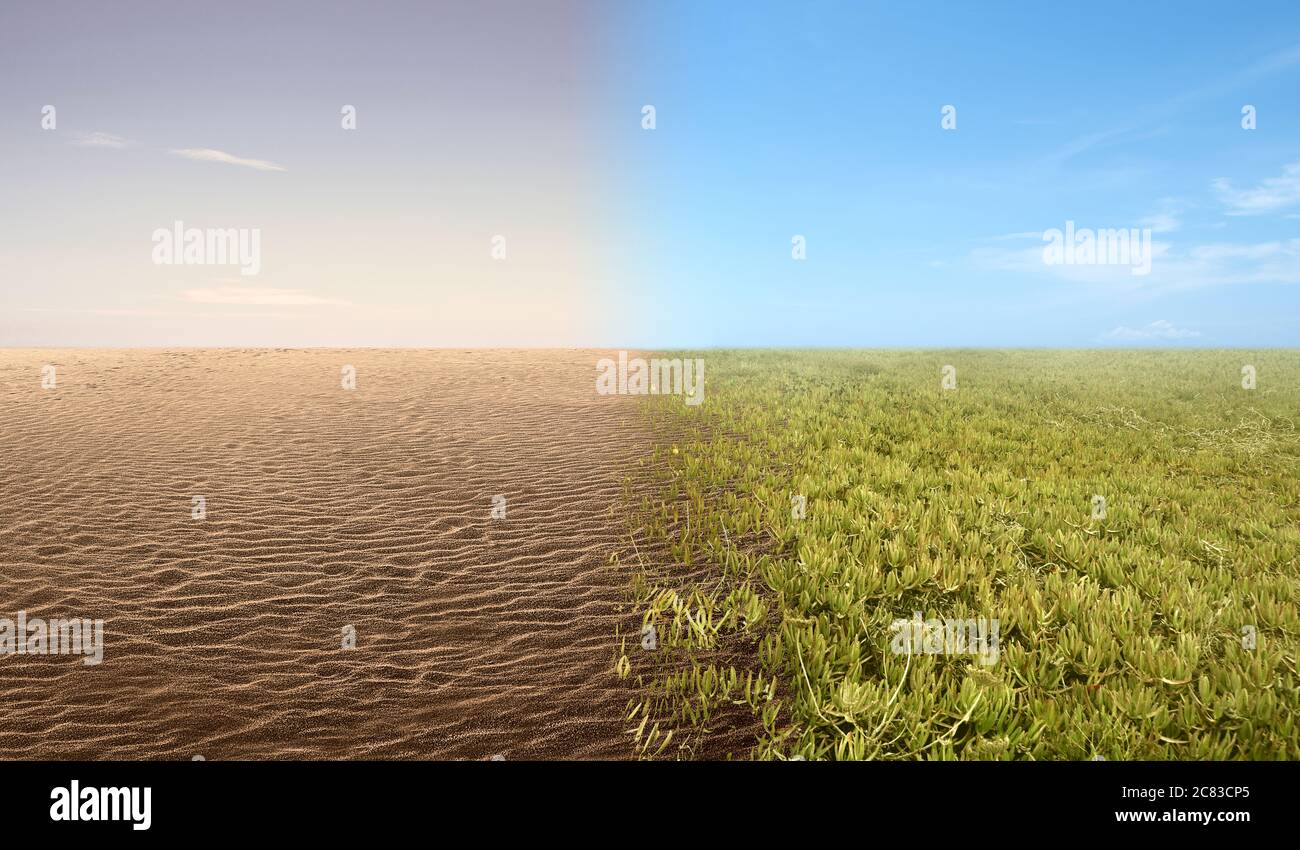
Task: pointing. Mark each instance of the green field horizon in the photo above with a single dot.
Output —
(1129, 519)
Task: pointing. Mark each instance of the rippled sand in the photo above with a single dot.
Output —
(325, 508)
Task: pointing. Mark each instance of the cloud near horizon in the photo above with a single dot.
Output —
(212, 155)
(1159, 329)
(261, 296)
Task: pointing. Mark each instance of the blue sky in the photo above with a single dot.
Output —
(823, 120)
(817, 119)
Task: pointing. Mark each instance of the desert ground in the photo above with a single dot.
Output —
(325, 508)
(1122, 529)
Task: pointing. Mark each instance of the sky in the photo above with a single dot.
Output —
(503, 186)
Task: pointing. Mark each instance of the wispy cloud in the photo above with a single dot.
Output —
(100, 140)
(128, 313)
(1161, 223)
(1167, 220)
(1174, 268)
(1270, 65)
(1257, 251)
(1159, 329)
(256, 295)
(1273, 193)
(1031, 260)
(210, 155)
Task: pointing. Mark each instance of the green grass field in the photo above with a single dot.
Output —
(1160, 625)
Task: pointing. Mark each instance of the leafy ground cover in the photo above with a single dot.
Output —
(1129, 519)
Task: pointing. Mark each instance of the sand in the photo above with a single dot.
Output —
(325, 508)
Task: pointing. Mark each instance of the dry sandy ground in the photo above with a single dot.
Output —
(325, 508)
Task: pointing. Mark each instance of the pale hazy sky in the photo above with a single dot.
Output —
(469, 125)
(818, 119)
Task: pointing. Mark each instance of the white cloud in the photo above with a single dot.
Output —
(1160, 223)
(256, 295)
(210, 155)
(100, 140)
(1031, 260)
(1159, 329)
(1272, 194)
(1164, 222)
(1219, 252)
(1174, 268)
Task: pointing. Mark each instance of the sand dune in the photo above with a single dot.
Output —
(325, 508)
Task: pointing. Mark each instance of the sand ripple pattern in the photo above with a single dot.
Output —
(326, 508)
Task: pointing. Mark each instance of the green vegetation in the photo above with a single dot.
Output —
(1124, 637)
